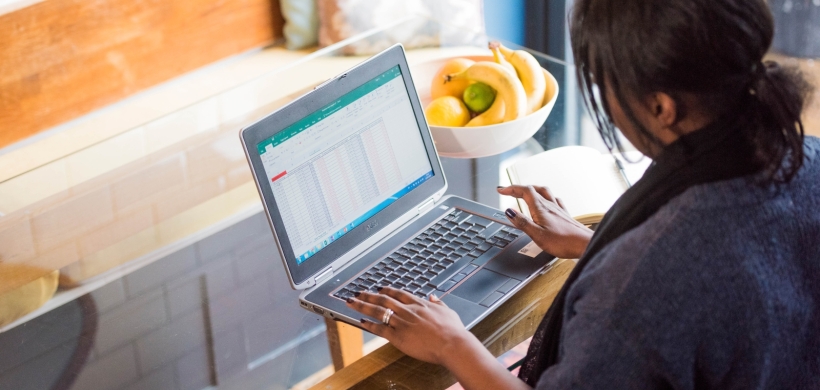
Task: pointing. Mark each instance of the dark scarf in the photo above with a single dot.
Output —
(717, 152)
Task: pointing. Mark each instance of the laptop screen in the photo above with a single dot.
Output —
(337, 167)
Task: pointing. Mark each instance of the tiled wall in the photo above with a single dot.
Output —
(74, 227)
(218, 313)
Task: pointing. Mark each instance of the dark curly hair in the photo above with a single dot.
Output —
(711, 49)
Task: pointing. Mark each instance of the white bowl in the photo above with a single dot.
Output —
(482, 141)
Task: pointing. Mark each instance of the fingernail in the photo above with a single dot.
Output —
(357, 293)
(510, 213)
(349, 300)
(379, 288)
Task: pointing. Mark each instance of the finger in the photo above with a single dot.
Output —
(365, 308)
(532, 198)
(378, 329)
(376, 311)
(523, 223)
(545, 192)
(435, 299)
(383, 300)
(520, 192)
(561, 204)
(399, 295)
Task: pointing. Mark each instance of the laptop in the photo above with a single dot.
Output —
(354, 193)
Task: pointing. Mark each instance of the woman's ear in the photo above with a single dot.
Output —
(663, 109)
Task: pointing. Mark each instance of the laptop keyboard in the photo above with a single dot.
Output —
(438, 258)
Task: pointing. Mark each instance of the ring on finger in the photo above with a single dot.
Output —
(386, 317)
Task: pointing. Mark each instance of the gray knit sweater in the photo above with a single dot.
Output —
(720, 289)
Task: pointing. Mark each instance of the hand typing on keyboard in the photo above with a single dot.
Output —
(551, 227)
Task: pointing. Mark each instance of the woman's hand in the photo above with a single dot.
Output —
(428, 330)
(423, 329)
(551, 227)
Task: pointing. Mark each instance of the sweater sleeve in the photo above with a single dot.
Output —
(599, 350)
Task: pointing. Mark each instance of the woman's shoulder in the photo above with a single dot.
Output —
(744, 192)
(715, 232)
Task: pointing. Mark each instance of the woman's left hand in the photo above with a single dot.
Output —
(423, 329)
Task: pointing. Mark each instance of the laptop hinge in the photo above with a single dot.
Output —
(326, 274)
(427, 205)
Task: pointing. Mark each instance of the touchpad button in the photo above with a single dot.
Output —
(480, 285)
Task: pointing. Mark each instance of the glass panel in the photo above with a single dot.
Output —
(168, 272)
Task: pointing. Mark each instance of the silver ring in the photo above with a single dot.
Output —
(386, 317)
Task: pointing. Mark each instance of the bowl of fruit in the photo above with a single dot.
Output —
(480, 106)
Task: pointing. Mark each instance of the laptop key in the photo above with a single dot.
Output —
(426, 290)
(508, 286)
(469, 269)
(502, 243)
(458, 277)
(391, 278)
(484, 258)
(491, 299)
(446, 286)
(451, 270)
(374, 279)
(411, 289)
(484, 247)
(367, 284)
(341, 292)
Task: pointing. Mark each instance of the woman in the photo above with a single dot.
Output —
(706, 273)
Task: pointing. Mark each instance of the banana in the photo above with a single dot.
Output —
(500, 60)
(493, 115)
(530, 73)
(504, 82)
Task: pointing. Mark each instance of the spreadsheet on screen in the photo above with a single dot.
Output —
(339, 166)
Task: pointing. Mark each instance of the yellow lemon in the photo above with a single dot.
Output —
(447, 111)
(441, 87)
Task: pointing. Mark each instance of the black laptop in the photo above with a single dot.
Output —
(353, 190)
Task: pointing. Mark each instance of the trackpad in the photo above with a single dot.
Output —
(480, 285)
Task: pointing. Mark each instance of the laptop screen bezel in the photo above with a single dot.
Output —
(301, 274)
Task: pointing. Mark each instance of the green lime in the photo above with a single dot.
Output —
(479, 97)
